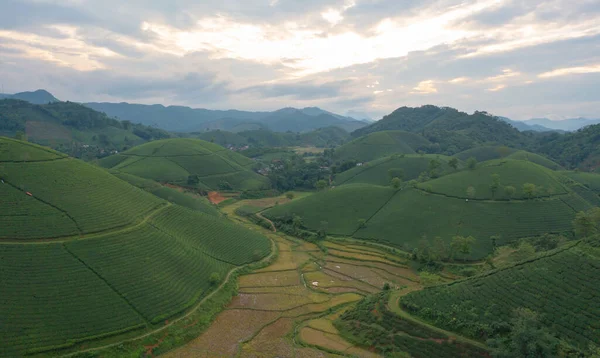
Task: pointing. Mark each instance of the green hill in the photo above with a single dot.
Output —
(574, 150)
(405, 218)
(485, 153)
(85, 255)
(562, 286)
(515, 173)
(380, 144)
(175, 160)
(380, 171)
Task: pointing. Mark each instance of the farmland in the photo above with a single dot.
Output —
(380, 144)
(175, 160)
(405, 218)
(561, 285)
(281, 309)
(86, 256)
(381, 171)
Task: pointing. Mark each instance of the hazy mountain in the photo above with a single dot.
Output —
(186, 119)
(522, 126)
(36, 97)
(361, 116)
(571, 124)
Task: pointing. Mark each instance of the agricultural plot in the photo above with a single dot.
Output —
(485, 153)
(18, 152)
(341, 208)
(371, 325)
(380, 144)
(175, 160)
(589, 180)
(562, 286)
(50, 299)
(70, 185)
(534, 158)
(380, 172)
(513, 173)
(412, 215)
(172, 195)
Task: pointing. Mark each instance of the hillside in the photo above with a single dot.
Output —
(515, 173)
(185, 119)
(381, 171)
(108, 257)
(406, 218)
(580, 149)
(71, 128)
(561, 286)
(380, 144)
(452, 131)
(36, 97)
(175, 160)
(484, 153)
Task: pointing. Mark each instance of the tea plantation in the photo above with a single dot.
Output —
(562, 286)
(380, 144)
(85, 255)
(175, 160)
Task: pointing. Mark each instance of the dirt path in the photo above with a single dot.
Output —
(216, 198)
(267, 220)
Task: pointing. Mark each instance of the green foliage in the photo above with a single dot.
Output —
(529, 190)
(472, 163)
(193, 180)
(587, 223)
(509, 191)
(573, 150)
(362, 223)
(453, 163)
(462, 245)
(371, 324)
(289, 195)
(495, 184)
(321, 184)
(471, 192)
(396, 183)
(560, 285)
(214, 278)
(528, 338)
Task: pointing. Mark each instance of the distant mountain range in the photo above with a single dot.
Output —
(571, 124)
(36, 97)
(186, 119)
(523, 126)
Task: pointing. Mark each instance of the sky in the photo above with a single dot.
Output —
(514, 58)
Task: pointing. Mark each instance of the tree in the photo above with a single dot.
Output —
(472, 163)
(462, 245)
(529, 190)
(362, 223)
(471, 192)
(528, 338)
(396, 173)
(396, 183)
(510, 191)
(495, 184)
(495, 239)
(453, 163)
(193, 180)
(434, 165)
(586, 223)
(296, 223)
(321, 184)
(322, 232)
(214, 278)
(126, 125)
(289, 195)
(225, 185)
(386, 286)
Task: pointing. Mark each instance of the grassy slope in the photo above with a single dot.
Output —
(172, 195)
(376, 172)
(341, 207)
(129, 274)
(561, 285)
(380, 144)
(173, 160)
(485, 153)
(512, 172)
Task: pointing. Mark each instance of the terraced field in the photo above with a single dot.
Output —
(281, 310)
(380, 144)
(85, 257)
(561, 285)
(174, 160)
(378, 171)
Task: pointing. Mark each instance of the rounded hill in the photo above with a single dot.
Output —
(380, 144)
(381, 171)
(485, 153)
(479, 182)
(176, 160)
(85, 255)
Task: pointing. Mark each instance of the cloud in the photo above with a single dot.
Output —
(425, 87)
(571, 71)
(305, 90)
(497, 88)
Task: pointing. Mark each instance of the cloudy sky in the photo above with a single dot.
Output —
(517, 58)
